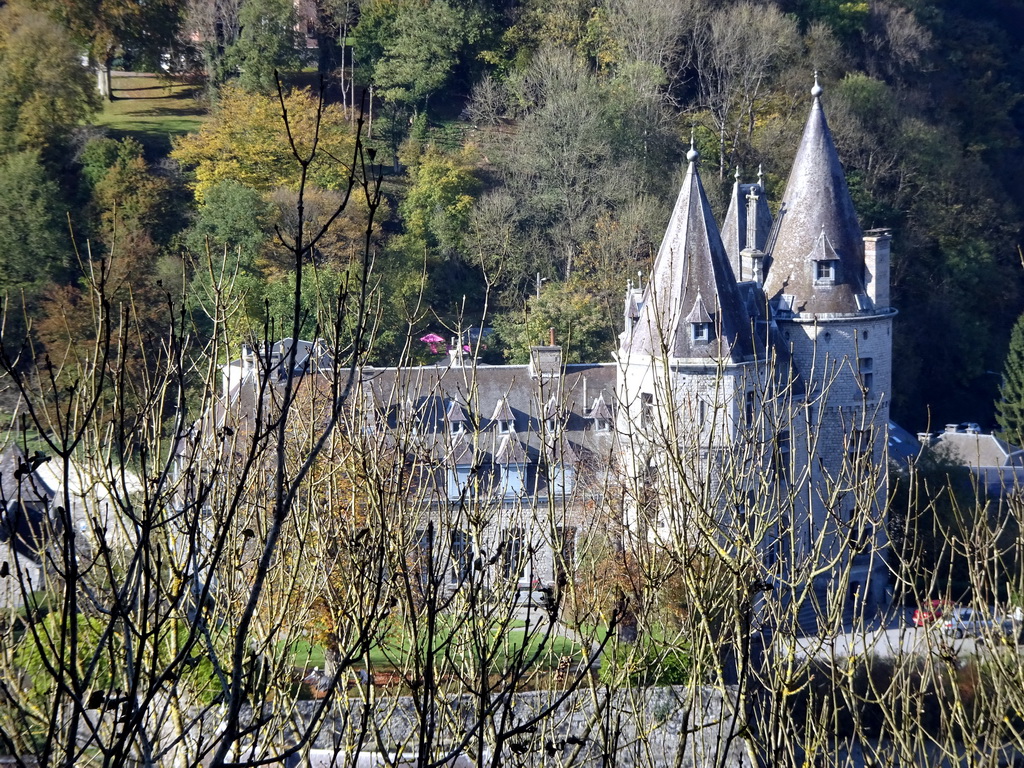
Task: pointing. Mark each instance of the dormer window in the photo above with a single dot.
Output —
(455, 418)
(700, 322)
(601, 414)
(825, 259)
(503, 418)
(825, 272)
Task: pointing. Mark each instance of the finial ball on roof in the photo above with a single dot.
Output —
(816, 90)
(692, 155)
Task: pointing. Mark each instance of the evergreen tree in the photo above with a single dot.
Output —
(1010, 408)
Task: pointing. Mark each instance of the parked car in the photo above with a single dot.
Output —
(930, 612)
(970, 622)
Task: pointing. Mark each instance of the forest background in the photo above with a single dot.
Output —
(531, 152)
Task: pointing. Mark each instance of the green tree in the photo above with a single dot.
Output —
(232, 217)
(33, 242)
(44, 91)
(1010, 406)
(267, 42)
(437, 207)
(579, 325)
(245, 141)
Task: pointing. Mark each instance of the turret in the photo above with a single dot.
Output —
(692, 308)
(816, 259)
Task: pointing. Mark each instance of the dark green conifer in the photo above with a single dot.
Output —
(1010, 408)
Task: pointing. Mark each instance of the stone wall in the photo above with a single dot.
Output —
(673, 725)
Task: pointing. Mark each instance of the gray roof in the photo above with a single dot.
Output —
(817, 201)
(903, 446)
(485, 394)
(24, 500)
(734, 228)
(977, 450)
(692, 270)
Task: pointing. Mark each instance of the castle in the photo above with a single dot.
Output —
(747, 405)
(768, 347)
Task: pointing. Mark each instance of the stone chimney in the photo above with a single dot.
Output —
(546, 362)
(876, 266)
(456, 354)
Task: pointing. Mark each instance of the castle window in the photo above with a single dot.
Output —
(780, 456)
(461, 555)
(646, 409)
(602, 425)
(825, 271)
(748, 404)
(701, 332)
(866, 367)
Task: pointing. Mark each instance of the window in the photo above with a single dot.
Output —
(512, 553)
(825, 271)
(603, 425)
(748, 411)
(424, 555)
(458, 427)
(701, 332)
(865, 366)
(646, 409)
(462, 556)
(504, 426)
(781, 463)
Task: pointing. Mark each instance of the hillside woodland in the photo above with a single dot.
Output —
(529, 154)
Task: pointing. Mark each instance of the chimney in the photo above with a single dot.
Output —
(455, 353)
(751, 239)
(546, 362)
(876, 266)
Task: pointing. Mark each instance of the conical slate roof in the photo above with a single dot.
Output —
(735, 226)
(692, 273)
(817, 202)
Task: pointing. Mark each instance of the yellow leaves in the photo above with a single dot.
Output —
(246, 140)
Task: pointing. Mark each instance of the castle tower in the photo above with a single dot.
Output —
(828, 287)
(688, 360)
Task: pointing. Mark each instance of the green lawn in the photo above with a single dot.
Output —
(389, 655)
(152, 109)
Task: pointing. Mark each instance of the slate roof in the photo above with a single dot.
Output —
(484, 395)
(816, 202)
(692, 274)
(979, 451)
(734, 228)
(24, 502)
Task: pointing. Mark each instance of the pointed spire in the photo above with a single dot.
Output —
(691, 269)
(817, 200)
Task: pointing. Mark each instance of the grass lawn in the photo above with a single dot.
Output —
(390, 654)
(152, 109)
